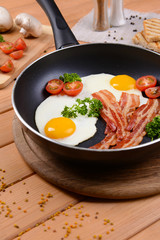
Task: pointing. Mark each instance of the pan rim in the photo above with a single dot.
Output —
(66, 145)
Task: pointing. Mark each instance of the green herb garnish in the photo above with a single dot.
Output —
(153, 128)
(70, 77)
(1, 38)
(87, 106)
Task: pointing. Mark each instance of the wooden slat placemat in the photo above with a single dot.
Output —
(35, 47)
(135, 181)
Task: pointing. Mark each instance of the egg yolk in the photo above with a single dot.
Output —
(123, 82)
(59, 127)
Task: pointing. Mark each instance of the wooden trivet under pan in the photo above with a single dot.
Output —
(135, 181)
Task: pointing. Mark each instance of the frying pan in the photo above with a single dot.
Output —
(70, 56)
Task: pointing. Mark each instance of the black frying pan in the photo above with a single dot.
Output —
(29, 90)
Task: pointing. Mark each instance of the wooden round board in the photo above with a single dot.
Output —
(140, 180)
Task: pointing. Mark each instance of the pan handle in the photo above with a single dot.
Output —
(63, 35)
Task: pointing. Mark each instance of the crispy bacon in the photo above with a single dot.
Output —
(140, 118)
(111, 112)
(109, 140)
(125, 120)
(129, 103)
(148, 110)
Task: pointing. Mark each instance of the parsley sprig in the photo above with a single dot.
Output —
(153, 128)
(70, 77)
(1, 38)
(87, 106)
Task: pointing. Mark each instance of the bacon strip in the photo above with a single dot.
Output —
(125, 120)
(140, 118)
(109, 140)
(129, 103)
(149, 110)
(111, 112)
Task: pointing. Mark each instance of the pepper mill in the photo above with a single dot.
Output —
(117, 17)
(100, 19)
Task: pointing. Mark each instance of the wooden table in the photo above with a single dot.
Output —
(31, 208)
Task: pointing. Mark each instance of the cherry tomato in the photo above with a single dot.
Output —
(145, 82)
(73, 89)
(16, 54)
(7, 66)
(153, 92)
(20, 44)
(1, 43)
(54, 86)
(7, 47)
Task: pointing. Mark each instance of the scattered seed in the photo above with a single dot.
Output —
(16, 226)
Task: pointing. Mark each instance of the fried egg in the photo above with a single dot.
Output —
(52, 124)
(114, 84)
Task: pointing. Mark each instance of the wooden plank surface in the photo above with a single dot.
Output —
(6, 135)
(99, 220)
(24, 214)
(23, 199)
(5, 95)
(152, 232)
(15, 168)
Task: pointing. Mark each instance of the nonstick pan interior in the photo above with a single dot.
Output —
(86, 59)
